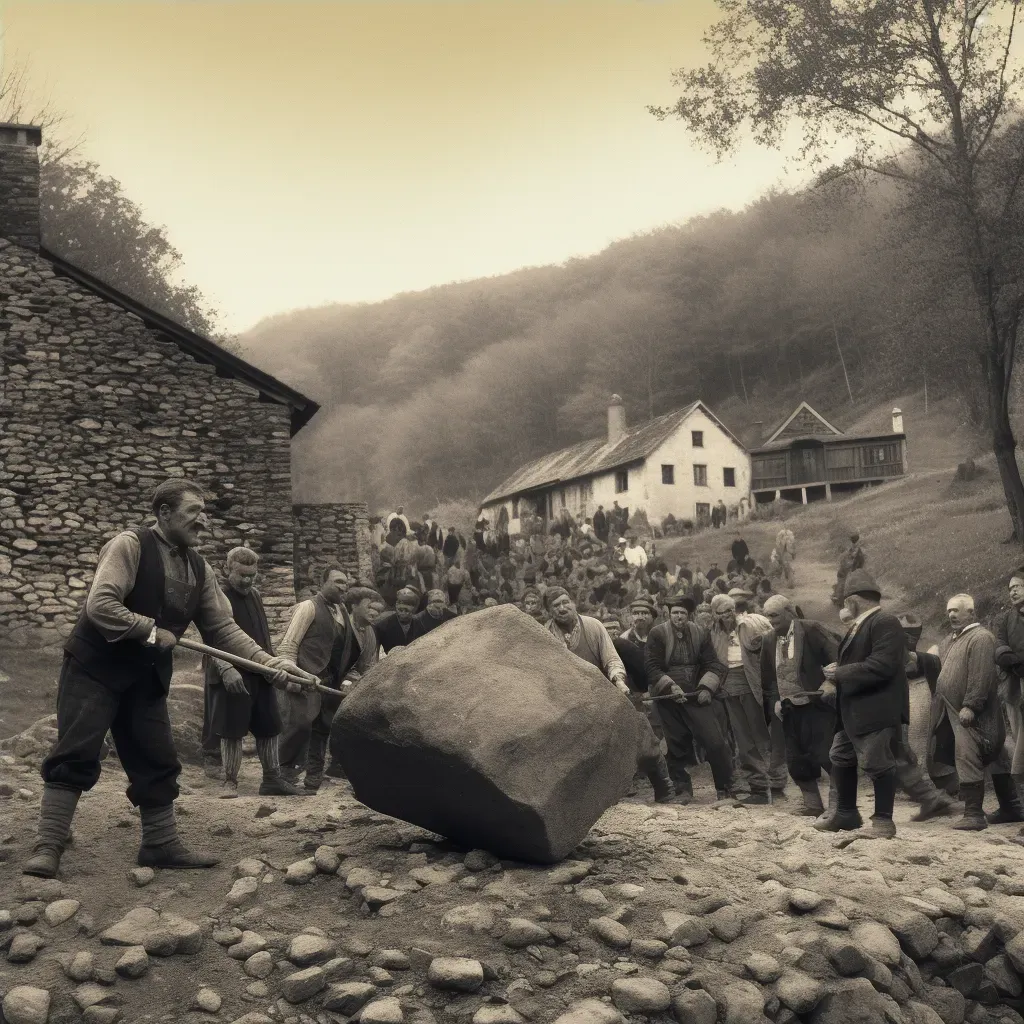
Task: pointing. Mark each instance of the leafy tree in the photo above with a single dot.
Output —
(925, 92)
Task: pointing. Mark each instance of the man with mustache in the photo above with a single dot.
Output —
(150, 583)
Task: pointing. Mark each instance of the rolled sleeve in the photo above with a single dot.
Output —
(302, 618)
(114, 580)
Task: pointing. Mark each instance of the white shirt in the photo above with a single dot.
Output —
(635, 556)
(861, 619)
(784, 650)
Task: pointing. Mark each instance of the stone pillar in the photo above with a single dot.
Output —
(19, 184)
(803, 495)
(828, 492)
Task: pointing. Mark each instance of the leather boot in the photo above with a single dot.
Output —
(174, 854)
(315, 763)
(275, 784)
(1010, 809)
(44, 862)
(846, 817)
(661, 783)
(974, 820)
(812, 805)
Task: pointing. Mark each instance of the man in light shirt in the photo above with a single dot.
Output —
(634, 553)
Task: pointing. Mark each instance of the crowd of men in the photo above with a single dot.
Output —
(726, 670)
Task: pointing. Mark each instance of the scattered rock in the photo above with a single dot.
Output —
(260, 965)
(59, 911)
(303, 985)
(763, 968)
(645, 996)
(301, 872)
(326, 860)
(877, 941)
(134, 962)
(25, 1004)
(804, 901)
(382, 1011)
(307, 950)
(241, 891)
(24, 947)
(800, 992)
(694, 1006)
(456, 974)
(349, 997)
(590, 1011)
(523, 932)
(207, 1000)
(610, 932)
(80, 967)
(141, 876)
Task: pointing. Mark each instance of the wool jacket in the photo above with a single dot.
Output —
(390, 633)
(750, 631)
(871, 680)
(814, 647)
(700, 665)
(968, 680)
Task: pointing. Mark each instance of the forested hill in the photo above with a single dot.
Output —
(442, 393)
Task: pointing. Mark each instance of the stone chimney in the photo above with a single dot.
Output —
(19, 184)
(897, 421)
(616, 420)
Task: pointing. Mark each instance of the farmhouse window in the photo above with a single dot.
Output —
(697, 437)
(729, 476)
(700, 475)
(621, 480)
(668, 474)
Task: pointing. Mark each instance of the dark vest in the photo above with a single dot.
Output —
(318, 645)
(122, 664)
(247, 611)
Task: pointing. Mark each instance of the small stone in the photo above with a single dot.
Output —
(501, 1014)
(688, 931)
(241, 891)
(694, 1006)
(348, 997)
(744, 1003)
(101, 1015)
(24, 948)
(645, 996)
(627, 891)
(847, 957)
(382, 1011)
(307, 950)
(247, 945)
(590, 1011)
(207, 1000)
(301, 872)
(763, 968)
(477, 918)
(250, 867)
(81, 967)
(800, 992)
(570, 872)
(141, 876)
(326, 860)
(359, 878)
(652, 949)
(25, 1004)
(260, 965)
(611, 933)
(28, 913)
(433, 875)
(877, 941)
(804, 901)
(915, 931)
(455, 973)
(59, 911)
(303, 985)
(227, 936)
(258, 989)
(134, 962)
(91, 994)
(479, 860)
(593, 898)
(1004, 977)
(377, 896)
(392, 960)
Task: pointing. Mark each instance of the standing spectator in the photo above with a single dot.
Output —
(436, 613)
(1009, 629)
(634, 553)
(785, 550)
(873, 703)
(450, 548)
(398, 628)
(681, 661)
(480, 535)
(601, 525)
(967, 716)
(740, 551)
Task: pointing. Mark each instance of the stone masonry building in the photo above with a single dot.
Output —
(101, 399)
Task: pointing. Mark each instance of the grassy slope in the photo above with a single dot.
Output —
(926, 536)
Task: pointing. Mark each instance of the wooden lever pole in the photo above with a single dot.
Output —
(304, 679)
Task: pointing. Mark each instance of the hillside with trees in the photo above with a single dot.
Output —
(442, 393)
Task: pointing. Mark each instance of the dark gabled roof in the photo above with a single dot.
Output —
(303, 408)
(787, 442)
(596, 456)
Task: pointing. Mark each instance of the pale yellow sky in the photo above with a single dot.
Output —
(302, 153)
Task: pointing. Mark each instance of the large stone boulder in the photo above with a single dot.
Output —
(488, 731)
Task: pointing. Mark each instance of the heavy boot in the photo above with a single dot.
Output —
(661, 782)
(315, 763)
(274, 783)
(934, 803)
(882, 825)
(974, 820)
(162, 846)
(831, 807)
(846, 818)
(55, 816)
(1010, 809)
(812, 805)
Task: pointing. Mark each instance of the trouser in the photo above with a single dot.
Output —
(873, 752)
(786, 565)
(1016, 737)
(954, 742)
(320, 733)
(910, 776)
(234, 715)
(809, 732)
(139, 723)
(777, 765)
(298, 711)
(691, 721)
(210, 741)
(752, 739)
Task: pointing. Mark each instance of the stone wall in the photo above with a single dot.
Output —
(95, 410)
(19, 184)
(331, 535)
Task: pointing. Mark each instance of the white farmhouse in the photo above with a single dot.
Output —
(683, 462)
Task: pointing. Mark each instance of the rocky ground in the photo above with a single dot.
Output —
(324, 911)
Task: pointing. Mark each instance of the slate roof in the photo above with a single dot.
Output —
(596, 456)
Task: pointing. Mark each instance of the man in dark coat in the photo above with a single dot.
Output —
(1009, 631)
(399, 628)
(241, 702)
(150, 584)
(793, 658)
(601, 525)
(740, 551)
(436, 613)
(681, 661)
(873, 703)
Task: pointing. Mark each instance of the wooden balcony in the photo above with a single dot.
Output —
(819, 464)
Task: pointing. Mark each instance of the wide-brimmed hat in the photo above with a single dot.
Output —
(681, 601)
(739, 594)
(860, 582)
(642, 602)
